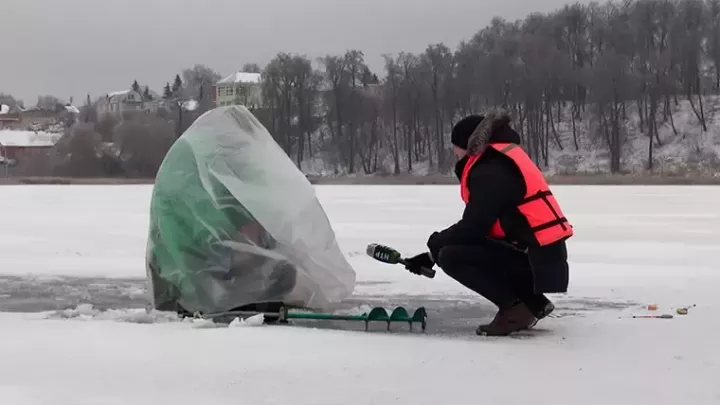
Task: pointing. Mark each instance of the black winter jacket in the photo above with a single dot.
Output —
(496, 189)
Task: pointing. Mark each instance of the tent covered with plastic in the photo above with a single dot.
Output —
(234, 223)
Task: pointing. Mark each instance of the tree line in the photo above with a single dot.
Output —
(591, 62)
(582, 68)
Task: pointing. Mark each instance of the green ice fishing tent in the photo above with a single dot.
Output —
(233, 222)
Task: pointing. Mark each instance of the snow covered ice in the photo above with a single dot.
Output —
(74, 329)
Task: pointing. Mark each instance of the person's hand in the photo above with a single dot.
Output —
(416, 263)
(434, 244)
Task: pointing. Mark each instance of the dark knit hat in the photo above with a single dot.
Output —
(463, 129)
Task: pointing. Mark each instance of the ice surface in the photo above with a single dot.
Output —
(77, 230)
(634, 244)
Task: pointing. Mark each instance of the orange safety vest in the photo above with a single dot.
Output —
(542, 211)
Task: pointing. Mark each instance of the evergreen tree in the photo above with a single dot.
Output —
(136, 86)
(87, 112)
(146, 94)
(177, 85)
(167, 92)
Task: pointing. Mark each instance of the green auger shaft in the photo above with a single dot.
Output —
(329, 317)
(377, 314)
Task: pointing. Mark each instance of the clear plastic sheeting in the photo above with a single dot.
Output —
(233, 222)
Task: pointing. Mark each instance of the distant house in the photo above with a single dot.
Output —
(71, 114)
(15, 145)
(71, 109)
(116, 103)
(36, 119)
(240, 88)
(9, 115)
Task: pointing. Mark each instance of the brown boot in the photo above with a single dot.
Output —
(509, 320)
(543, 312)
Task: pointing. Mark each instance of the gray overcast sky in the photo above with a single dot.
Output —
(74, 47)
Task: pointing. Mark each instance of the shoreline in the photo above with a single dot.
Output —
(586, 180)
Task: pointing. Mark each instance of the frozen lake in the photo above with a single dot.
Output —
(61, 246)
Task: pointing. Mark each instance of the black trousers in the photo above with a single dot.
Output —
(500, 273)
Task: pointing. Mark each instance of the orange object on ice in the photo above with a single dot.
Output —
(652, 307)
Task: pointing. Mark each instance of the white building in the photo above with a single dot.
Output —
(118, 102)
(240, 88)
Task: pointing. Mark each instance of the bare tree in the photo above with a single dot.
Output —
(78, 154)
(49, 103)
(252, 68)
(142, 143)
(586, 76)
(199, 81)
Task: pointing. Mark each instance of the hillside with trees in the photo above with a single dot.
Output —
(630, 86)
(586, 84)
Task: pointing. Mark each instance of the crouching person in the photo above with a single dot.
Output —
(509, 246)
